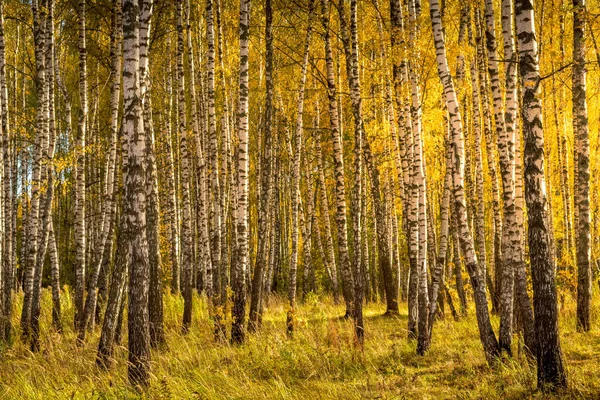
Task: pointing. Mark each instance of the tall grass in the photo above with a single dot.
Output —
(321, 362)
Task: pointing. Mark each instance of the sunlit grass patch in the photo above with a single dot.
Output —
(321, 362)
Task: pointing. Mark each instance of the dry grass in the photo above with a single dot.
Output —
(321, 362)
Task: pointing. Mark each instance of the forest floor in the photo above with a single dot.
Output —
(321, 362)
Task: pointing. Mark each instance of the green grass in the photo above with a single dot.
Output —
(321, 362)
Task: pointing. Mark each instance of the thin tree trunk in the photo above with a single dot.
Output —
(225, 185)
(329, 253)
(412, 224)
(338, 156)
(242, 251)
(108, 209)
(7, 139)
(503, 246)
(33, 221)
(172, 211)
(582, 159)
(460, 286)
(513, 224)
(307, 233)
(48, 171)
(203, 263)
(116, 298)
(215, 185)
(486, 333)
(186, 225)
(155, 306)
(266, 191)
(418, 220)
(80, 176)
(297, 139)
(437, 275)
(521, 282)
(479, 218)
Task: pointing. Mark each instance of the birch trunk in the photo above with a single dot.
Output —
(360, 142)
(298, 132)
(479, 199)
(215, 203)
(549, 356)
(486, 333)
(116, 297)
(203, 236)
(47, 173)
(80, 176)
(329, 253)
(437, 275)
(307, 233)
(266, 191)
(155, 306)
(582, 159)
(503, 226)
(138, 370)
(415, 168)
(242, 251)
(513, 224)
(172, 211)
(338, 156)
(504, 269)
(7, 178)
(108, 209)
(41, 130)
(226, 186)
(186, 224)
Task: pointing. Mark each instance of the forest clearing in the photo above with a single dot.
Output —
(321, 362)
(299, 199)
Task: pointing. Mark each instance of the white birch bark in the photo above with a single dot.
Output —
(108, 209)
(549, 357)
(172, 211)
(486, 333)
(242, 251)
(7, 154)
(138, 370)
(33, 223)
(213, 160)
(582, 159)
(297, 139)
(266, 160)
(80, 175)
(186, 223)
(329, 252)
(340, 189)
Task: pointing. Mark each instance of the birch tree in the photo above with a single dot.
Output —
(297, 139)
(45, 217)
(7, 154)
(486, 333)
(549, 355)
(329, 252)
(215, 184)
(138, 370)
(239, 270)
(108, 209)
(186, 224)
(338, 156)
(80, 176)
(41, 132)
(582, 159)
(512, 234)
(350, 42)
(266, 190)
